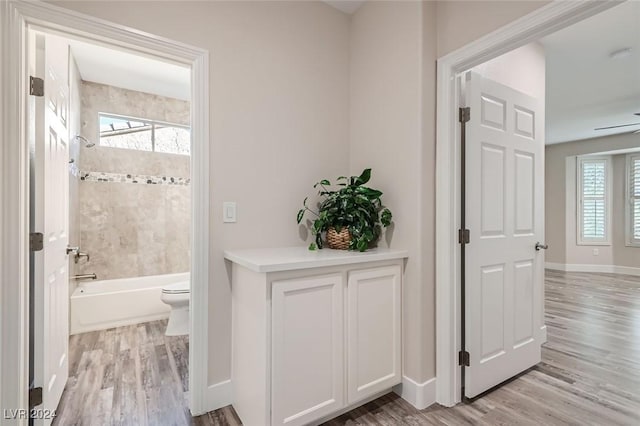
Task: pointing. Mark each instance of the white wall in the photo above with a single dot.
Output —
(561, 201)
(460, 22)
(388, 87)
(522, 69)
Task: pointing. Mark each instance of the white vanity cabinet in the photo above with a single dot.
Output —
(314, 333)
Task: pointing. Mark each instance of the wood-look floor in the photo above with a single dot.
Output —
(589, 374)
(130, 375)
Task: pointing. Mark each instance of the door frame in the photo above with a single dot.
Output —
(539, 23)
(16, 17)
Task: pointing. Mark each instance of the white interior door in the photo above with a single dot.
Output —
(51, 184)
(505, 217)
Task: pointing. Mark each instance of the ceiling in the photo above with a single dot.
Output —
(585, 87)
(347, 6)
(134, 72)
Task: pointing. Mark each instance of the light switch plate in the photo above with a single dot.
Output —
(229, 212)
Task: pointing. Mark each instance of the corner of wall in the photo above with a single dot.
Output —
(420, 395)
(392, 130)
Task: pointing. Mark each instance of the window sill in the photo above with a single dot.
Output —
(593, 243)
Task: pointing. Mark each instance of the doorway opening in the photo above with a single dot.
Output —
(24, 19)
(479, 58)
(110, 193)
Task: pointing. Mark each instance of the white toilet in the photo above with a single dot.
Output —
(177, 297)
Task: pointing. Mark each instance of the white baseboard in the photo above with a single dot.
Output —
(218, 396)
(626, 270)
(543, 331)
(555, 266)
(420, 395)
(606, 269)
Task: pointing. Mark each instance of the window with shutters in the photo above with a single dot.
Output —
(633, 200)
(593, 201)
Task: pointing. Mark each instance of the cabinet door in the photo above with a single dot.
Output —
(373, 331)
(307, 349)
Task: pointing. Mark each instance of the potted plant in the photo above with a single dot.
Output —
(350, 216)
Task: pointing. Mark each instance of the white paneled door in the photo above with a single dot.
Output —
(505, 216)
(51, 189)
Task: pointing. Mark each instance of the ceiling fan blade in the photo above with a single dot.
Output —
(614, 127)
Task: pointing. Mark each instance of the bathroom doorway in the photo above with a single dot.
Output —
(112, 130)
(78, 140)
(129, 228)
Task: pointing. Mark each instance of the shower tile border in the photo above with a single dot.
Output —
(103, 177)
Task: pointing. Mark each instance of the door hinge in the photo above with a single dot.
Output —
(464, 114)
(463, 358)
(36, 241)
(463, 236)
(36, 86)
(35, 397)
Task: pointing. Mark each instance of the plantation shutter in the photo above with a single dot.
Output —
(594, 200)
(634, 201)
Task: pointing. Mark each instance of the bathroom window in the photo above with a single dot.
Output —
(144, 135)
(593, 201)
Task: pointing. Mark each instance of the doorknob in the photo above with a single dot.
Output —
(541, 246)
(73, 250)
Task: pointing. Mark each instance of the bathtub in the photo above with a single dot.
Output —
(98, 305)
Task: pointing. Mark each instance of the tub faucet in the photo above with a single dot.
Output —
(79, 254)
(85, 277)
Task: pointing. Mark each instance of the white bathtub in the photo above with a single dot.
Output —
(98, 305)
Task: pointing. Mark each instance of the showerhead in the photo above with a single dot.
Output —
(87, 143)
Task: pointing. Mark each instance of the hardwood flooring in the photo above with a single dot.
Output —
(589, 374)
(130, 375)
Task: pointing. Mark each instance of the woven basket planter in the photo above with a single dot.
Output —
(339, 240)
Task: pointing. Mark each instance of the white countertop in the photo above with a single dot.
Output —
(291, 258)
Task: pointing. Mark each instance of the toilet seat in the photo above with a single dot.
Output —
(183, 287)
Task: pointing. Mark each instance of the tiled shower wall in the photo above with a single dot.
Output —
(134, 206)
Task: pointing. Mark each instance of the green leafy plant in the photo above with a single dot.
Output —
(353, 206)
